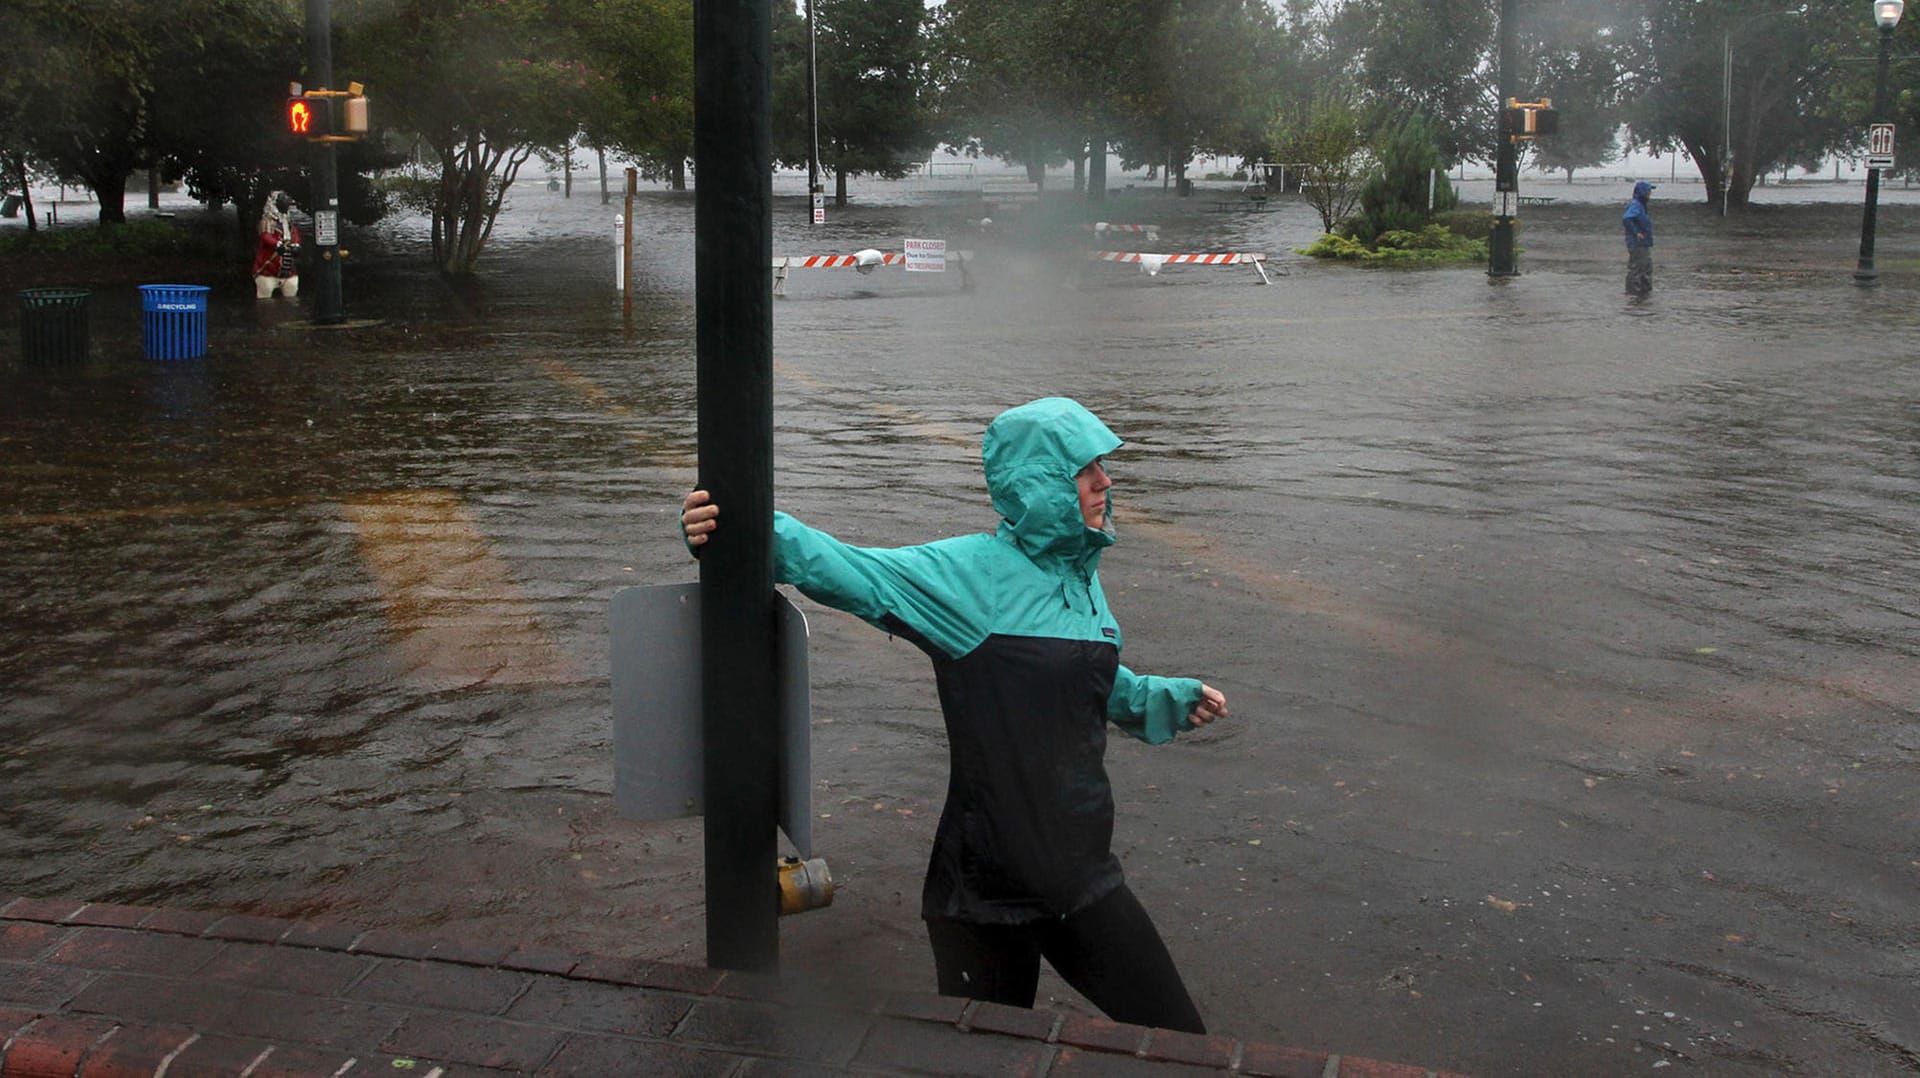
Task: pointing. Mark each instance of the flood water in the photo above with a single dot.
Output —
(1570, 641)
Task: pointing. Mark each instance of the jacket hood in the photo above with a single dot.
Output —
(1642, 189)
(1031, 454)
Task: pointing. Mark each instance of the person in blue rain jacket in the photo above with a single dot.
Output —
(1026, 657)
(1639, 228)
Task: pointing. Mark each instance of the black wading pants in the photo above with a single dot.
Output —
(1109, 952)
(1639, 271)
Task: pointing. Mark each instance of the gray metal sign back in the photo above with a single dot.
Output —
(656, 709)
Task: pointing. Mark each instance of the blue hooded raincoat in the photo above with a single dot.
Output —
(1027, 660)
(1636, 221)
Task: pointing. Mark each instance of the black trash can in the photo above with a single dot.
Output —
(53, 325)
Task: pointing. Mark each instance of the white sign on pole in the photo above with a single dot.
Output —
(325, 232)
(1880, 146)
(819, 209)
(926, 256)
(619, 253)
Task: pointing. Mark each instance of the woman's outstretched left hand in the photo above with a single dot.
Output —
(1212, 705)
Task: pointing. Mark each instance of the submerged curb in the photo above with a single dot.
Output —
(97, 990)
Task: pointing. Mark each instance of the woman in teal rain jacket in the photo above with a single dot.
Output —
(1026, 656)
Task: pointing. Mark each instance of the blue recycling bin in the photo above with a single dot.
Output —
(173, 320)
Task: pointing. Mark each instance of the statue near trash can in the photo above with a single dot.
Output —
(276, 259)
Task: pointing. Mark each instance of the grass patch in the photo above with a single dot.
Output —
(134, 238)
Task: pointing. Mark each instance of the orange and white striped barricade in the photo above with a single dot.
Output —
(1150, 232)
(1150, 263)
(860, 261)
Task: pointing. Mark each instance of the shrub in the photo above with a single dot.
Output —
(1432, 244)
(1394, 198)
(1467, 224)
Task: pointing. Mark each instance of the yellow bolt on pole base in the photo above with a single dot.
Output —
(804, 885)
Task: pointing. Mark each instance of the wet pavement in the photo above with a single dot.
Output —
(1570, 641)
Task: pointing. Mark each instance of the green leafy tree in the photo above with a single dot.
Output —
(1324, 142)
(643, 107)
(871, 73)
(1434, 57)
(1199, 85)
(1003, 89)
(215, 111)
(1574, 61)
(1394, 197)
(481, 85)
(79, 84)
(1786, 63)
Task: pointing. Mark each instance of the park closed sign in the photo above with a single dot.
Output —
(926, 256)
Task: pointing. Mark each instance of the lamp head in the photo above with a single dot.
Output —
(1886, 13)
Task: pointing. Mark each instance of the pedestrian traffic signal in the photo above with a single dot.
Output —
(307, 118)
(1528, 119)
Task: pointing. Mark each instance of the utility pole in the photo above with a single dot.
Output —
(816, 197)
(329, 307)
(733, 322)
(1506, 167)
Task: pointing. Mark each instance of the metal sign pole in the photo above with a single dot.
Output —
(733, 318)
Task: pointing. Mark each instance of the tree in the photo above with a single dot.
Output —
(1573, 61)
(643, 107)
(1002, 90)
(1784, 66)
(1434, 57)
(480, 84)
(871, 75)
(1201, 91)
(1394, 197)
(1325, 143)
(238, 51)
(78, 89)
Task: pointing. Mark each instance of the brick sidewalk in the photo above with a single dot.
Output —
(106, 991)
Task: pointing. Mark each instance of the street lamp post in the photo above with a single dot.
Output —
(1886, 13)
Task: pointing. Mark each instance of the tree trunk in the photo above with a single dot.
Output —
(605, 194)
(679, 171)
(566, 188)
(839, 186)
(111, 189)
(1097, 170)
(1709, 166)
(1080, 169)
(26, 193)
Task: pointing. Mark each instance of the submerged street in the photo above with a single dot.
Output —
(1570, 641)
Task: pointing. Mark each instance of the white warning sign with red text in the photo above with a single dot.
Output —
(925, 256)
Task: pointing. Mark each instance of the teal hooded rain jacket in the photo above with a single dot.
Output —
(1027, 659)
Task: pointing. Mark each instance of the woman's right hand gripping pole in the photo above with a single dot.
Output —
(698, 518)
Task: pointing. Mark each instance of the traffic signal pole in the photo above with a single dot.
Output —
(328, 303)
(733, 324)
(1506, 164)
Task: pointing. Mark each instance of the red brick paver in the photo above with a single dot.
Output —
(111, 991)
